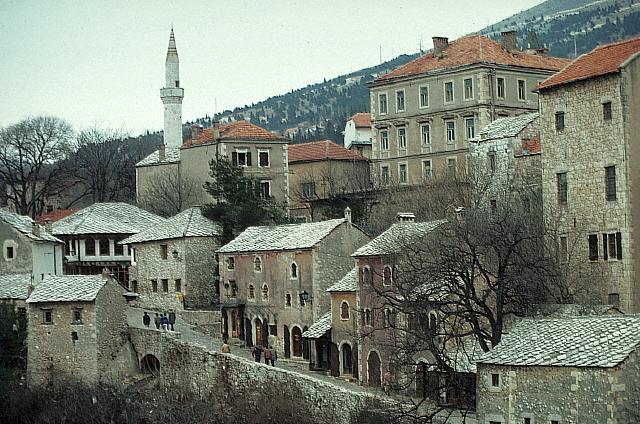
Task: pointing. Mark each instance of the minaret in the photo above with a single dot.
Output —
(171, 96)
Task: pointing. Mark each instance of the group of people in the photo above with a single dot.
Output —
(161, 320)
(270, 354)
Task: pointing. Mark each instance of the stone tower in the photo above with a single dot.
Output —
(171, 96)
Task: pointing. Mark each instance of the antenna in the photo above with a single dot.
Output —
(215, 106)
(420, 43)
(380, 52)
(575, 47)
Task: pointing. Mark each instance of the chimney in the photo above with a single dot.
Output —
(106, 273)
(35, 228)
(440, 44)
(405, 217)
(215, 125)
(161, 153)
(196, 130)
(509, 41)
(347, 214)
(48, 225)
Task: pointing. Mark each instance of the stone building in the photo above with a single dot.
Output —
(358, 134)
(273, 280)
(78, 330)
(424, 113)
(590, 121)
(322, 171)
(173, 264)
(570, 370)
(91, 238)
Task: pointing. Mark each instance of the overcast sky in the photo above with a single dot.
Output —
(102, 62)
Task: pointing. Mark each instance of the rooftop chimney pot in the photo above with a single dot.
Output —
(216, 129)
(440, 44)
(347, 214)
(509, 41)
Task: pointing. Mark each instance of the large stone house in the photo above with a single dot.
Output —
(569, 370)
(424, 113)
(590, 121)
(91, 238)
(273, 280)
(173, 264)
(322, 171)
(77, 329)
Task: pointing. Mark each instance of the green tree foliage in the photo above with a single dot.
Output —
(238, 201)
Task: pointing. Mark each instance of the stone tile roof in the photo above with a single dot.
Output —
(600, 61)
(188, 223)
(348, 283)
(24, 225)
(238, 130)
(470, 50)
(318, 328)
(362, 120)
(14, 286)
(321, 150)
(557, 310)
(56, 215)
(505, 127)
(67, 288)
(281, 237)
(589, 341)
(395, 237)
(171, 155)
(107, 218)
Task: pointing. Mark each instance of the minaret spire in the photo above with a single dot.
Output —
(172, 95)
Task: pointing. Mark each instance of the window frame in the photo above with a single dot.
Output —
(446, 91)
(402, 138)
(164, 251)
(77, 316)
(425, 141)
(403, 98)
(262, 185)
(403, 177)
(501, 87)
(560, 123)
(593, 250)
(471, 119)
(294, 275)
(265, 291)
(607, 111)
(47, 316)
(165, 285)
(384, 140)
(231, 263)
(343, 316)
(610, 183)
(522, 95)
(421, 104)
(424, 168)
(178, 285)
(154, 285)
(385, 177)
(257, 264)
(452, 171)
(10, 253)
(380, 103)
(387, 279)
(562, 188)
(465, 88)
(450, 133)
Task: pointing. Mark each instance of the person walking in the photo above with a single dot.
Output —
(172, 319)
(146, 319)
(156, 321)
(274, 356)
(225, 347)
(267, 355)
(164, 322)
(257, 353)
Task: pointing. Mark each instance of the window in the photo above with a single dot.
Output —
(263, 158)
(308, 190)
(559, 121)
(252, 292)
(612, 245)
(154, 286)
(382, 101)
(47, 316)
(265, 292)
(344, 310)
(164, 251)
(231, 264)
(178, 285)
(402, 138)
(386, 276)
(386, 318)
(562, 188)
(400, 101)
(448, 92)
(494, 205)
(241, 158)
(470, 127)
(77, 316)
(451, 131)
(103, 245)
(367, 317)
(468, 89)
(452, 165)
(427, 170)
(593, 247)
(563, 249)
(424, 96)
(10, 252)
(425, 133)
(165, 285)
(384, 175)
(606, 111)
(610, 182)
(90, 247)
(492, 161)
(367, 275)
(234, 288)
(265, 189)
(257, 264)
(118, 249)
(522, 90)
(495, 380)
(500, 84)
(384, 141)
(402, 173)
(74, 336)
(526, 420)
(294, 270)
(554, 422)
(287, 300)
(134, 286)
(613, 298)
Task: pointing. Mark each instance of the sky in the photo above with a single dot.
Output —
(97, 62)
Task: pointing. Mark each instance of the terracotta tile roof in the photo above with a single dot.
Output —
(238, 130)
(474, 49)
(56, 215)
(321, 150)
(602, 60)
(362, 120)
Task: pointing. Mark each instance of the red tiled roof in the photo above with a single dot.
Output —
(238, 130)
(602, 60)
(474, 49)
(56, 215)
(362, 120)
(321, 150)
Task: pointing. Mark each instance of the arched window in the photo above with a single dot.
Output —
(367, 275)
(104, 247)
(89, 247)
(257, 264)
(252, 292)
(344, 310)
(294, 270)
(367, 317)
(386, 276)
(287, 300)
(265, 291)
(231, 263)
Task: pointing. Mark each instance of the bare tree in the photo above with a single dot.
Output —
(31, 156)
(169, 193)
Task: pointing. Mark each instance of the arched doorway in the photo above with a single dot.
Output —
(258, 325)
(248, 331)
(305, 345)
(296, 335)
(347, 356)
(373, 367)
(150, 365)
(287, 342)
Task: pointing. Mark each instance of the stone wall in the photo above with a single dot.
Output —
(21, 263)
(207, 322)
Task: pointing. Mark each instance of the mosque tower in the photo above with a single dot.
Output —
(171, 96)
